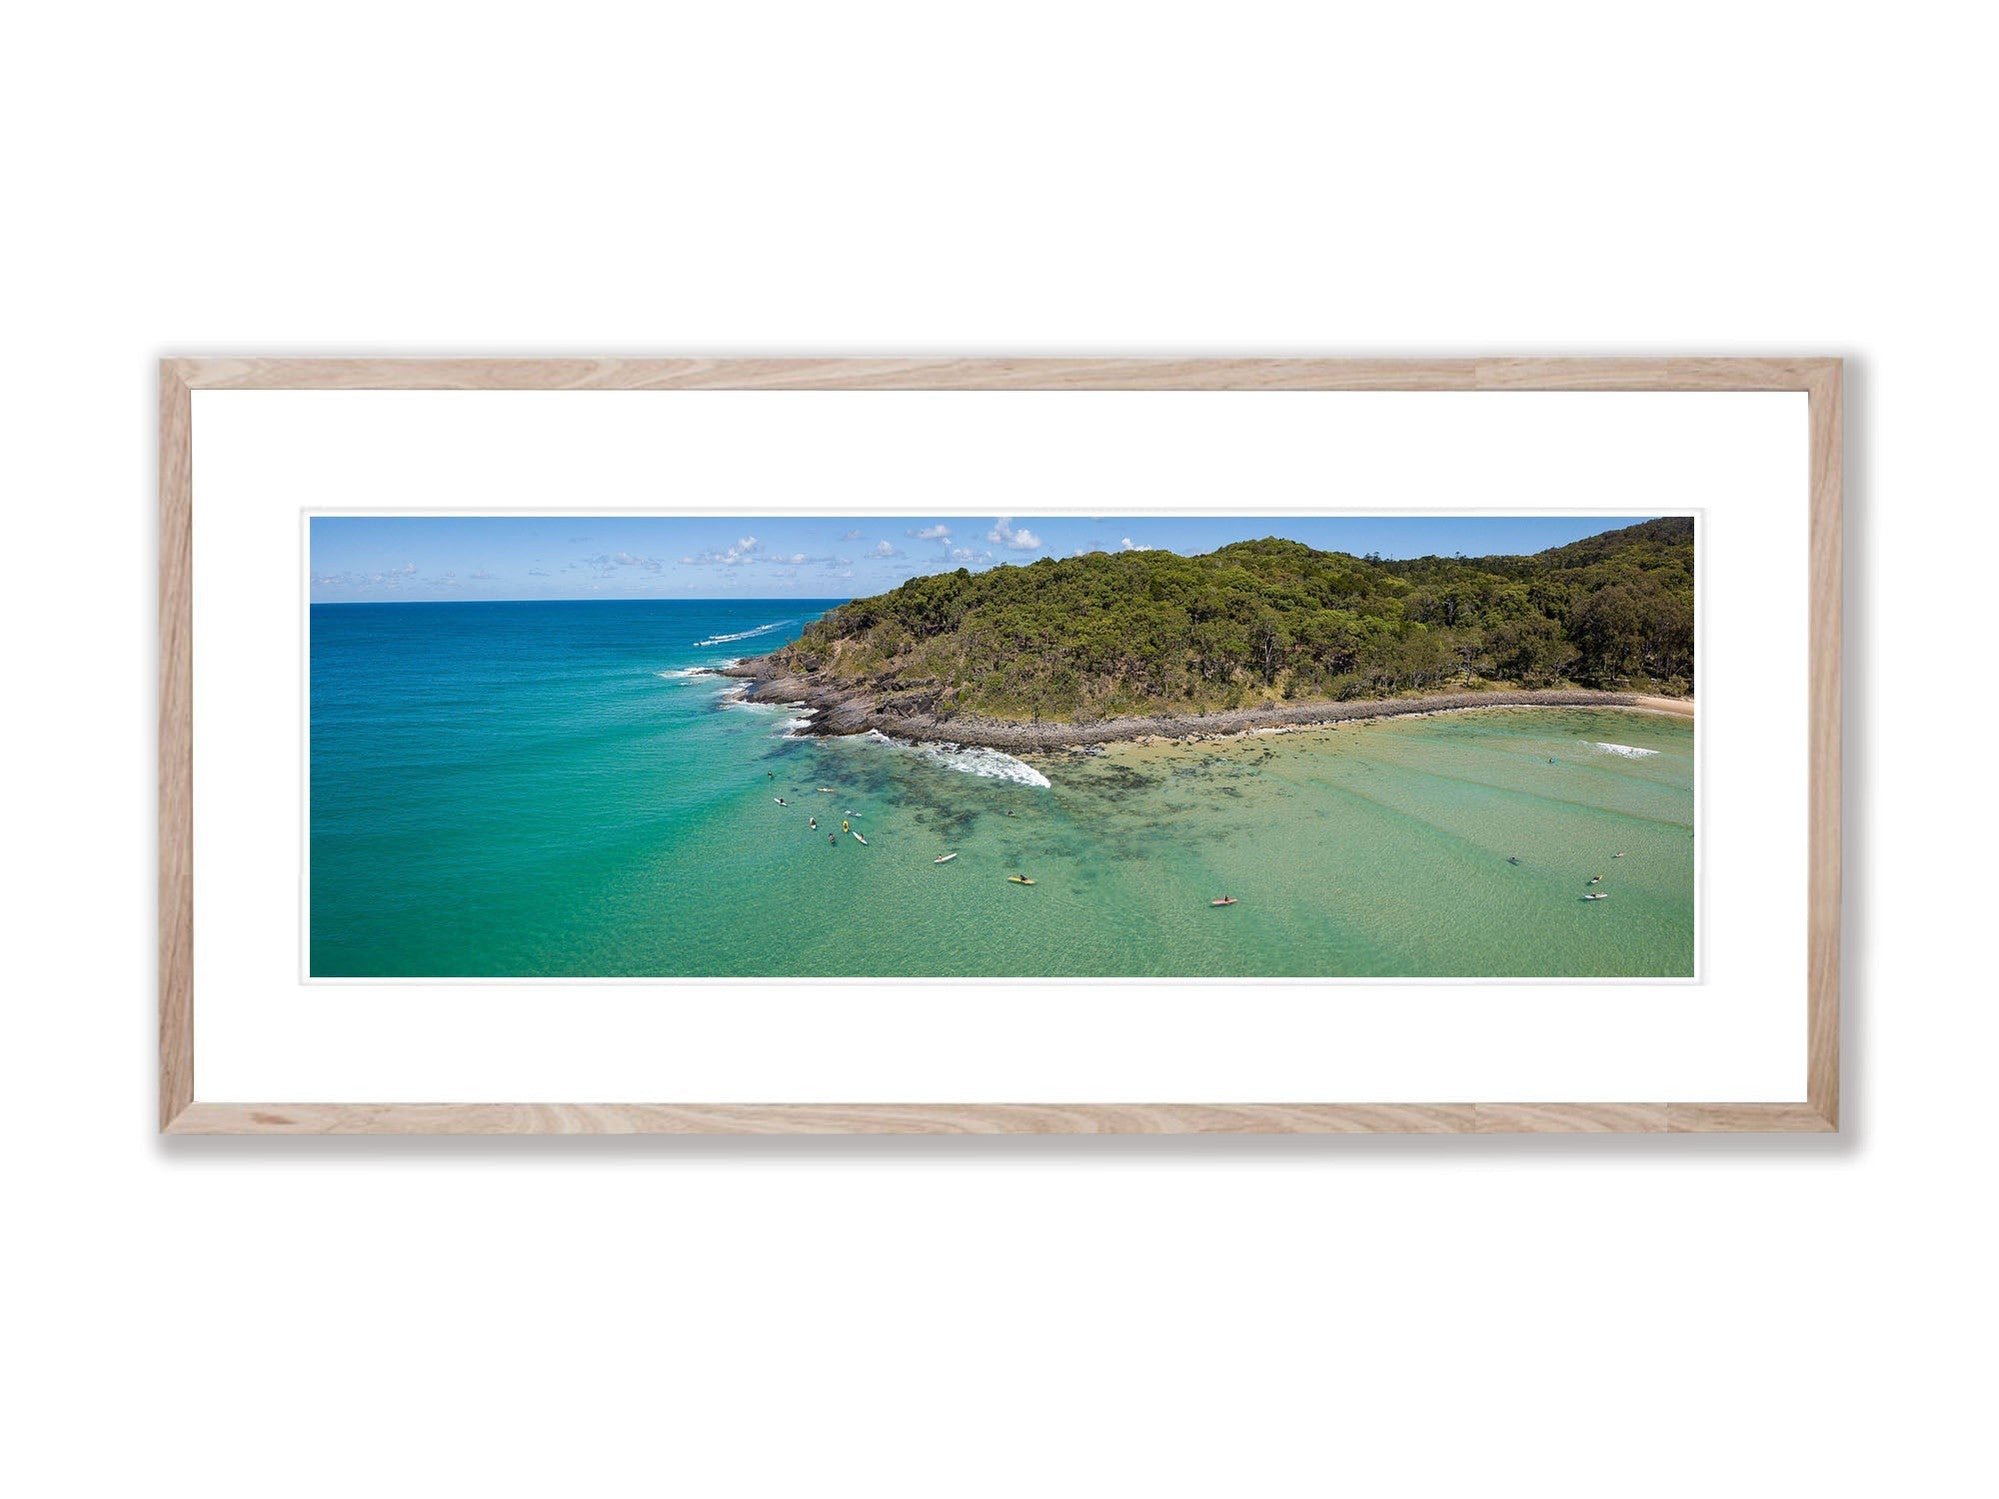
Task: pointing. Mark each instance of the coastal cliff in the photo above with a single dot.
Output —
(1257, 635)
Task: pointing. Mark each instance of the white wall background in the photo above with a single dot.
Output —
(1545, 1317)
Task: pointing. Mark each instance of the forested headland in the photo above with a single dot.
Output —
(1262, 623)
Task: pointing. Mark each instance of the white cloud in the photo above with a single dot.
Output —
(481, 575)
(739, 555)
(1129, 545)
(938, 532)
(854, 536)
(1019, 539)
(883, 549)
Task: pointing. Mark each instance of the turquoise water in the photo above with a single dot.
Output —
(549, 789)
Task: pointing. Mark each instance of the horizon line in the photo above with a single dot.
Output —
(794, 598)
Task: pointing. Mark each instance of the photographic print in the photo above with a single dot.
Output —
(1350, 746)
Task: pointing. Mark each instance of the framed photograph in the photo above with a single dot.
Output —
(1057, 746)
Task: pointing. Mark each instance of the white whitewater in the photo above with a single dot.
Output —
(968, 759)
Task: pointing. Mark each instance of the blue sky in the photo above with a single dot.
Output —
(359, 558)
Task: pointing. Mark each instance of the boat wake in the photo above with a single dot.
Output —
(1629, 751)
(969, 759)
(744, 634)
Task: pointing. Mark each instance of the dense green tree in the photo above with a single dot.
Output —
(1130, 632)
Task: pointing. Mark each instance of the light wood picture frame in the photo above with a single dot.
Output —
(183, 1111)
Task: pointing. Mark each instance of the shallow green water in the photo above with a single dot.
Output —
(536, 794)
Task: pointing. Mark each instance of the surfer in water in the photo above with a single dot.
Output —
(815, 826)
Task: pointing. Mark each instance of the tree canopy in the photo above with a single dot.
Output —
(1107, 633)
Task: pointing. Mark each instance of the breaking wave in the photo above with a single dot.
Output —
(970, 759)
(795, 716)
(745, 634)
(1629, 751)
(683, 673)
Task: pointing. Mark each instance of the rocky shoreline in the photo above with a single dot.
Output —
(857, 710)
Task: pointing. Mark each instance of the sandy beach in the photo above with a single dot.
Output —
(848, 710)
(1679, 707)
